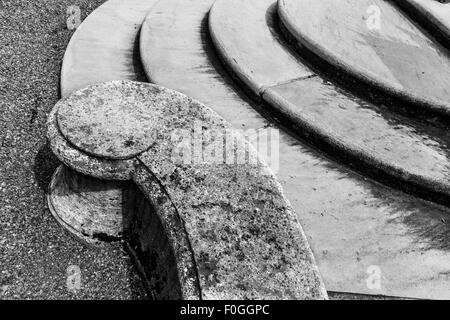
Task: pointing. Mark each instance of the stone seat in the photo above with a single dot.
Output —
(206, 219)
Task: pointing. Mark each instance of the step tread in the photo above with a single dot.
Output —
(376, 43)
(406, 150)
(254, 53)
(103, 46)
(182, 66)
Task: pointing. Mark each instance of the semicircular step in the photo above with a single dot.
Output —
(351, 222)
(104, 46)
(374, 139)
(374, 42)
(433, 16)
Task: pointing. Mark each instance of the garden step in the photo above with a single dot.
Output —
(433, 15)
(375, 43)
(105, 46)
(353, 224)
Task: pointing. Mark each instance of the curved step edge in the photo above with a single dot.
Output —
(431, 15)
(419, 103)
(104, 46)
(428, 186)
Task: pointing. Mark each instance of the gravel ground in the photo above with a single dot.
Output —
(35, 252)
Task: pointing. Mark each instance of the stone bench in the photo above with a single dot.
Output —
(202, 214)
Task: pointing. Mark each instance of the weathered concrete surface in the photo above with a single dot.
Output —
(366, 223)
(104, 47)
(374, 42)
(104, 129)
(373, 137)
(243, 233)
(432, 15)
(163, 59)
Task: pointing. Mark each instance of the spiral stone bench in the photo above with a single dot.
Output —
(201, 229)
(391, 54)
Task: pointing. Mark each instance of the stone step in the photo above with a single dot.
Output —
(105, 46)
(433, 15)
(375, 43)
(373, 138)
(352, 223)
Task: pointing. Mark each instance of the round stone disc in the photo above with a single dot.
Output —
(109, 120)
